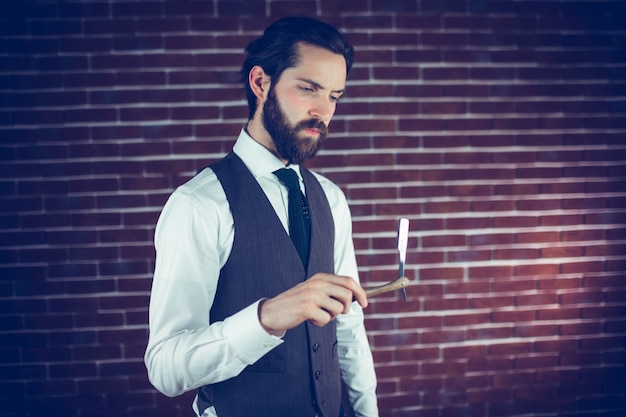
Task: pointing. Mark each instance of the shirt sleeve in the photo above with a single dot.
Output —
(184, 351)
(355, 357)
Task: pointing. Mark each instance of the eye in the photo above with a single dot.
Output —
(335, 99)
(306, 89)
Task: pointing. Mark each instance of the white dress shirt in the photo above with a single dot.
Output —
(193, 240)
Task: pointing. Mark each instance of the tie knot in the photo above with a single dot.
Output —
(288, 177)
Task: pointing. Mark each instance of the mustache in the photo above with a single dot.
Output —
(313, 124)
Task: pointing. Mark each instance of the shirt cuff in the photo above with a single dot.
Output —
(246, 335)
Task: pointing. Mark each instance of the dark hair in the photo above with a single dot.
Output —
(277, 49)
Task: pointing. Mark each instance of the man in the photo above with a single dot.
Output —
(260, 326)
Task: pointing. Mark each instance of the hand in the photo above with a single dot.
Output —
(320, 299)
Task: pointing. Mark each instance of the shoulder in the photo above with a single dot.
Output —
(201, 191)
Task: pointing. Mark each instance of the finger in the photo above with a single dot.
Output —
(360, 296)
(335, 306)
(344, 289)
(357, 293)
(320, 317)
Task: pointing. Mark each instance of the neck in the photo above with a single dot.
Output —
(256, 131)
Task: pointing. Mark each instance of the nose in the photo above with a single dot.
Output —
(323, 109)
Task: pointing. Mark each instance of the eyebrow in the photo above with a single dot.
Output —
(320, 87)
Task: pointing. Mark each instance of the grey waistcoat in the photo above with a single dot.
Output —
(301, 376)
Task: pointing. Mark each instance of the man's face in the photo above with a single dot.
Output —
(299, 107)
(291, 142)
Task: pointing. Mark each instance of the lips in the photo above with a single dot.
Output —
(314, 128)
(312, 132)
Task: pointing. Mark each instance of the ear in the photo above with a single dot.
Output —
(259, 82)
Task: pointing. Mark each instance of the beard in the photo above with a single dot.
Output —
(291, 146)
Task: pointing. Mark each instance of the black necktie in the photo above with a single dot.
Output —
(299, 218)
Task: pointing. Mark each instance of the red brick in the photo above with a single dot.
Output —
(447, 304)
(487, 333)
(395, 370)
(558, 313)
(490, 272)
(559, 406)
(583, 235)
(143, 114)
(446, 73)
(510, 348)
(536, 361)
(515, 378)
(395, 73)
(590, 266)
(446, 207)
(491, 239)
(599, 341)
(122, 301)
(559, 283)
(481, 396)
(581, 328)
(444, 175)
(445, 368)
(536, 391)
(470, 124)
(539, 205)
(583, 297)
(512, 316)
(444, 240)
(561, 220)
(490, 364)
(540, 269)
(492, 206)
(444, 108)
(600, 312)
(489, 107)
(556, 345)
(491, 301)
(468, 223)
(15, 372)
(515, 189)
(615, 296)
(442, 336)
(605, 250)
(462, 352)
(611, 280)
(536, 330)
(117, 369)
(536, 299)
(516, 254)
(605, 218)
(444, 142)
(440, 273)
(517, 222)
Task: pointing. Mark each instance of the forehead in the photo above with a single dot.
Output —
(320, 65)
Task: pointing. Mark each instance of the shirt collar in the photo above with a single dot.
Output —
(259, 160)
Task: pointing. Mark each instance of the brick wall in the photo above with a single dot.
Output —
(497, 127)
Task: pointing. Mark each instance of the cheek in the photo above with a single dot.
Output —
(333, 109)
(292, 107)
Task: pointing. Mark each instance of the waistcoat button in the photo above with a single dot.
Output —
(316, 347)
(318, 374)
